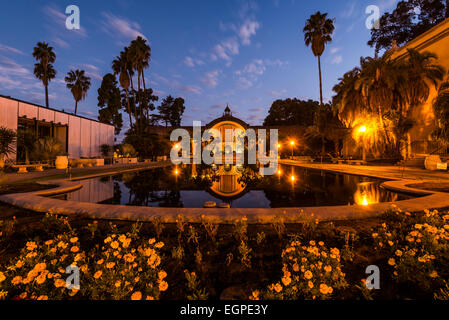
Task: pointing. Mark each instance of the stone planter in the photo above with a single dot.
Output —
(62, 162)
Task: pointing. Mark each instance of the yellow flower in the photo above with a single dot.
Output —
(328, 268)
(162, 275)
(296, 267)
(75, 249)
(98, 274)
(159, 245)
(16, 280)
(129, 257)
(391, 262)
(150, 298)
(100, 261)
(41, 278)
(19, 264)
(324, 289)
(31, 246)
(310, 284)
(118, 283)
(277, 287)
(163, 285)
(312, 243)
(107, 240)
(2, 277)
(59, 283)
(308, 275)
(151, 241)
(74, 239)
(122, 238)
(286, 281)
(399, 253)
(110, 265)
(136, 296)
(114, 244)
(49, 242)
(42, 298)
(434, 274)
(3, 294)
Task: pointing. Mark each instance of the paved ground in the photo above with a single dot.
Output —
(75, 172)
(384, 172)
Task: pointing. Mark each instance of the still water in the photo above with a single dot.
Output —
(241, 187)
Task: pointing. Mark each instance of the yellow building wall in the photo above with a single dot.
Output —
(436, 40)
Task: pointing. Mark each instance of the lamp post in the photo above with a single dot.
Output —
(292, 144)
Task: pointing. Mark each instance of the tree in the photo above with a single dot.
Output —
(176, 112)
(44, 70)
(441, 110)
(291, 112)
(407, 21)
(165, 110)
(109, 101)
(7, 139)
(121, 66)
(78, 84)
(317, 32)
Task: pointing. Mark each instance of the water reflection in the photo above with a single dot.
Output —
(241, 187)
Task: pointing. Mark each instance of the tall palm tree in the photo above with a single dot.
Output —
(120, 66)
(44, 70)
(79, 84)
(317, 32)
(140, 56)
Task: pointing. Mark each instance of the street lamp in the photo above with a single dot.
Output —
(292, 145)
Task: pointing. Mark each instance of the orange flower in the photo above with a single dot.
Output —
(136, 296)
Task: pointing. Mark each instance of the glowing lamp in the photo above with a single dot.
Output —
(362, 129)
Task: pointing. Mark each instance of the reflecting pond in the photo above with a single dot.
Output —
(241, 187)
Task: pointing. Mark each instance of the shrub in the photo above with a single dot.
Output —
(127, 270)
(417, 248)
(38, 273)
(309, 272)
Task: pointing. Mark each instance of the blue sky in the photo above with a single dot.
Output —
(245, 53)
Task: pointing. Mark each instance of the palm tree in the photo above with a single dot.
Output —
(7, 138)
(79, 84)
(441, 110)
(139, 56)
(421, 72)
(120, 66)
(44, 70)
(348, 100)
(317, 32)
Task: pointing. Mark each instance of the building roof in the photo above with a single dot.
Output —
(40, 106)
(227, 116)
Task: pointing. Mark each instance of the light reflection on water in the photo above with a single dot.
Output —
(191, 187)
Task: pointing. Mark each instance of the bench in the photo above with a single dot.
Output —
(39, 167)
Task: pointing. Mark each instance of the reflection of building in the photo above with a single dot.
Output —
(94, 190)
(79, 136)
(228, 185)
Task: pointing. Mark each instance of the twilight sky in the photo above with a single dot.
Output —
(245, 53)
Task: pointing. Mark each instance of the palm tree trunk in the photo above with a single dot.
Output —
(129, 110)
(2, 161)
(46, 95)
(321, 80)
(76, 106)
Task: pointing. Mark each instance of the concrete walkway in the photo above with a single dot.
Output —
(75, 172)
(382, 172)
